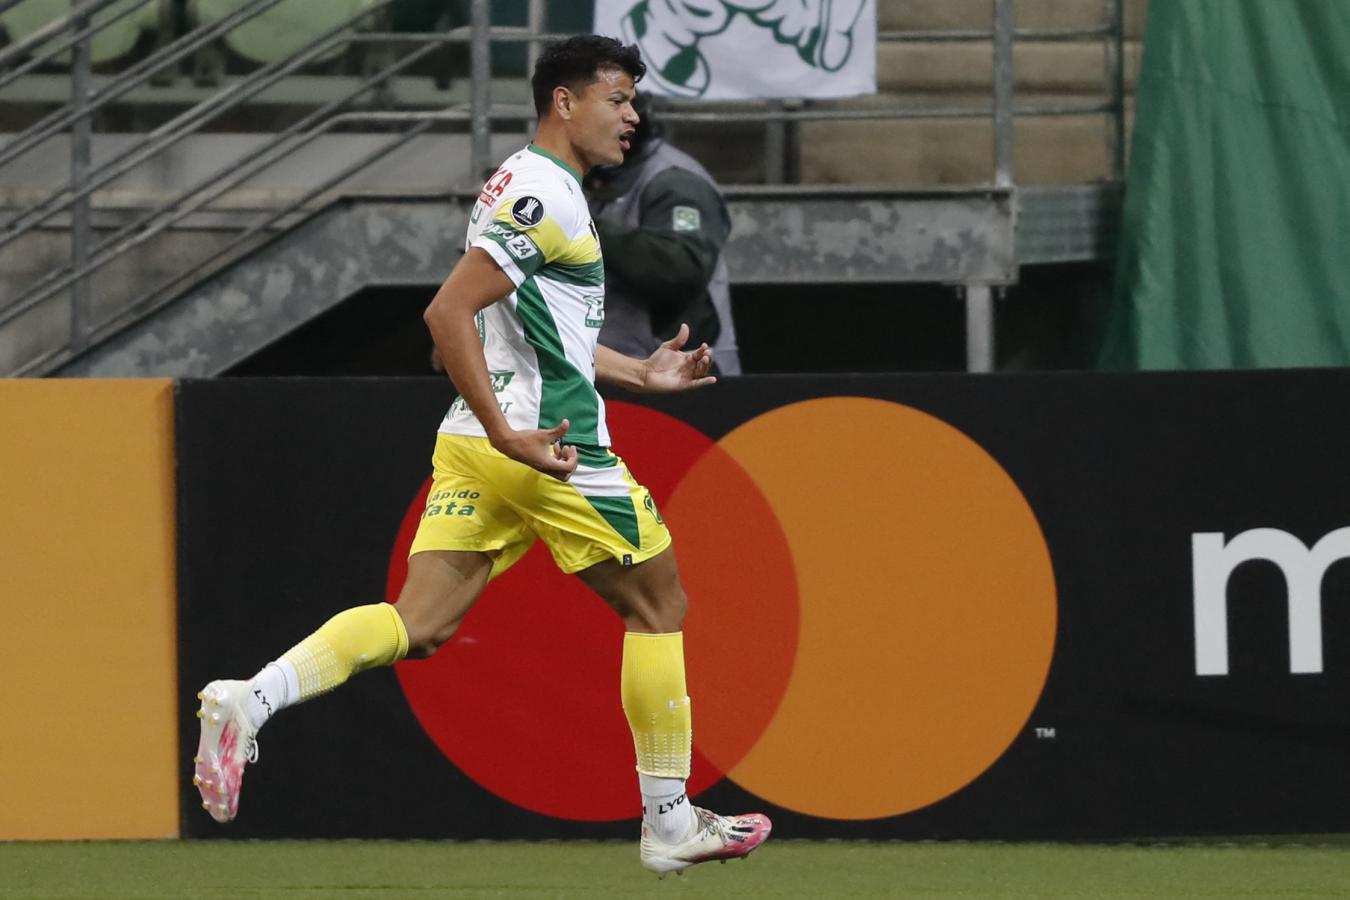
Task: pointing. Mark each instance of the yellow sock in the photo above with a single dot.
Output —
(656, 703)
(352, 641)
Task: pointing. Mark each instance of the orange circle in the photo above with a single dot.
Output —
(927, 607)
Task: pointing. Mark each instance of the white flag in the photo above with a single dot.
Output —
(744, 49)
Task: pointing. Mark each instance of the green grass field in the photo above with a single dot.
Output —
(377, 869)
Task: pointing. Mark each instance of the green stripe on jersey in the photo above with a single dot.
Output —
(591, 274)
(565, 392)
(593, 457)
(621, 515)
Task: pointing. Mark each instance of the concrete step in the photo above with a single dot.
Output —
(1053, 66)
(1047, 151)
(921, 15)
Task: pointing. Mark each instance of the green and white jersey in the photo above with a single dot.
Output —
(539, 341)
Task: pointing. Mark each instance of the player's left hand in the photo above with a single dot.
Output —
(672, 368)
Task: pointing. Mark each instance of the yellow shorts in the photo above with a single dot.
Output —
(480, 500)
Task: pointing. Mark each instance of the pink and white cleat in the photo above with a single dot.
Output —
(715, 837)
(228, 743)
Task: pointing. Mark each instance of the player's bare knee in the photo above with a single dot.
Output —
(674, 607)
(429, 621)
(661, 613)
(426, 640)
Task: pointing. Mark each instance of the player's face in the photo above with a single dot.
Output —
(603, 119)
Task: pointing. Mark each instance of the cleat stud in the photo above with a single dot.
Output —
(205, 805)
(201, 696)
(215, 770)
(220, 807)
(197, 780)
(196, 759)
(215, 718)
(215, 701)
(201, 714)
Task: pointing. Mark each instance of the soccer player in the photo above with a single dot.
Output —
(516, 324)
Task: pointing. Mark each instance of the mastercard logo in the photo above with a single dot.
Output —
(872, 619)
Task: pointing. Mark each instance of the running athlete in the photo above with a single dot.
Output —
(516, 324)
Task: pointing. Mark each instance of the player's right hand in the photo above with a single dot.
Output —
(541, 449)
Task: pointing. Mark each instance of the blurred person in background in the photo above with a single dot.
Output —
(663, 225)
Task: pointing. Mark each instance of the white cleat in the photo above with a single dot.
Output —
(715, 837)
(228, 743)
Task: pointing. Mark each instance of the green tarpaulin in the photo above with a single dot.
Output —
(1236, 237)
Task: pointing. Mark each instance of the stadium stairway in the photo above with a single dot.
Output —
(385, 231)
(354, 243)
(1048, 150)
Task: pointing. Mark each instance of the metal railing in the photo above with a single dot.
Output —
(89, 256)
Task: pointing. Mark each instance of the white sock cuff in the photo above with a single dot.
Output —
(656, 786)
(291, 677)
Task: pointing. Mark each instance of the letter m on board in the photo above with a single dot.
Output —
(1303, 568)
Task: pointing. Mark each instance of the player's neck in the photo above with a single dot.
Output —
(552, 139)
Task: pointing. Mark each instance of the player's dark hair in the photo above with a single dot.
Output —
(575, 62)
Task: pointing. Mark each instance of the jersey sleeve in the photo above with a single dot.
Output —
(529, 229)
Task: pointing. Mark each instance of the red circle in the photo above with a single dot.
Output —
(525, 699)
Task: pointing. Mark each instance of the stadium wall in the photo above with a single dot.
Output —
(1031, 606)
(1007, 606)
(89, 738)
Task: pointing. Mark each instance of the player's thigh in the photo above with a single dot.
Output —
(468, 533)
(600, 514)
(441, 587)
(648, 596)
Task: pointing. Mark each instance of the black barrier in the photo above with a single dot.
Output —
(1190, 692)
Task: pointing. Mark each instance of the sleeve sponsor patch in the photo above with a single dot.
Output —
(686, 218)
(527, 212)
(521, 247)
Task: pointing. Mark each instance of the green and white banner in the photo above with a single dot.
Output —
(743, 49)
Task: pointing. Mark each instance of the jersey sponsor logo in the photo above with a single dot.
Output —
(461, 407)
(497, 229)
(465, 494)
(450, 508)
(495, 187)
(521, 247)
(595, 310)
(527, 212)
(491, 193)
(686, 218)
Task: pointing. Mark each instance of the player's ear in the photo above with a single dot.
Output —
(563, 101)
